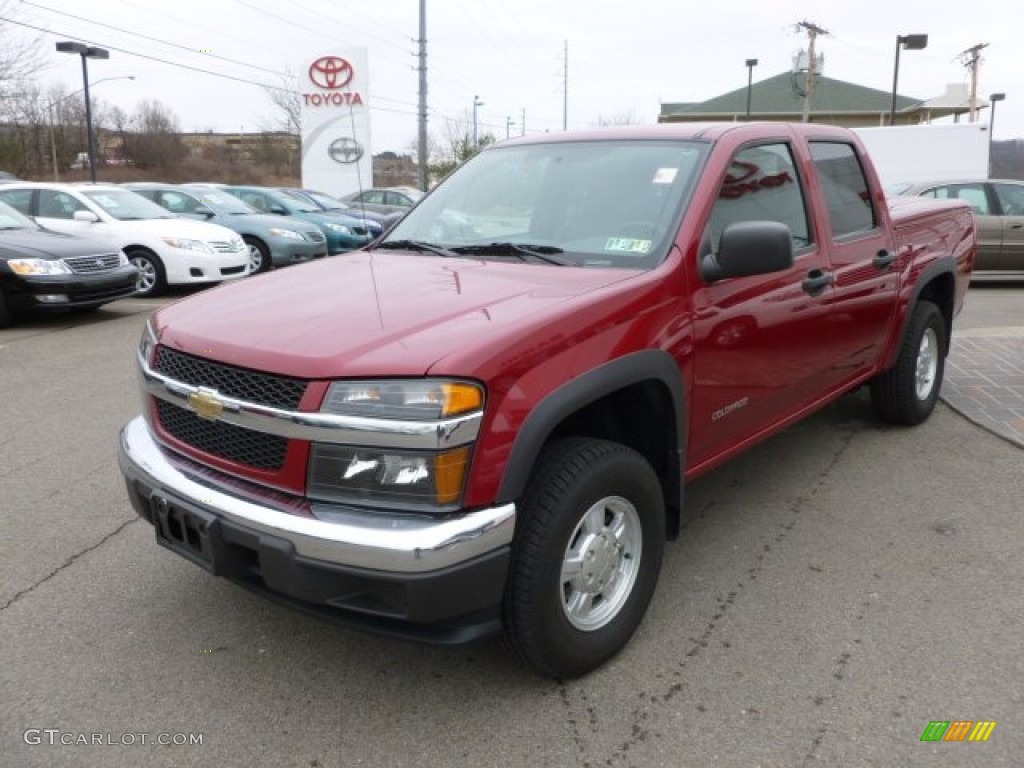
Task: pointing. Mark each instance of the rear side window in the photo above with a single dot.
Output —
(18, 199)
(1011, 198)
(762, 184)
(973, 194)
(845, 186)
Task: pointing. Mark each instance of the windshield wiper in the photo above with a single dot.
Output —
(416, 245)
(525, 251)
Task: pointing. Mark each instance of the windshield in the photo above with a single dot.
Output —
(298, 203)
(11, 219)
(599, 203)
(326, 202)
(222, 202)
(125, 205)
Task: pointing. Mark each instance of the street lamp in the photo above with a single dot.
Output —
(86, 52)
(751, 63)
(911, 43)
(476, 103)
(995, 98)
(509, 122)
(52, 104)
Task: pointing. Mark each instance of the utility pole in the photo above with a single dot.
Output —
(971, 58)
(565, 90)
(522, 124)
(421, 154)
(813, 30)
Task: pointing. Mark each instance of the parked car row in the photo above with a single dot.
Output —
(161, 235)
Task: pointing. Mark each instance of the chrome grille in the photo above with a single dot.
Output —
(262, 388)
(88, 265)
(227, 441)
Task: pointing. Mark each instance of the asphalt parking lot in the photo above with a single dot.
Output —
(834, 590)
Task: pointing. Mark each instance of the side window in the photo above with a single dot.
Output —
(58, 205)
(257, 201)
(1011, 198)
(175, 202)
(19, 199)
(762, 185)
(376, 198)
(973, 194)
(845, 187)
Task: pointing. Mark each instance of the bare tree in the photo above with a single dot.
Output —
(156, 142)
(455, 148)
(285, 98)
(20, 54)
(627, 117)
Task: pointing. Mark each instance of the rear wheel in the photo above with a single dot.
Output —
(587, 555)
(152, 278)
(259, 255)
(906, 394)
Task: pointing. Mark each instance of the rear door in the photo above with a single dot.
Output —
(758, 340)
(1010, 198)
(862, 255)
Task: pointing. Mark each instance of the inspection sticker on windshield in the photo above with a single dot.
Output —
(627, 245)
(665, 175)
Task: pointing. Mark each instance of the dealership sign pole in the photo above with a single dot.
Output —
(336, 156)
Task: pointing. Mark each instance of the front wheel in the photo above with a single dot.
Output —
(906, 394)
(259, 255)
(587, 555)
(152, 278)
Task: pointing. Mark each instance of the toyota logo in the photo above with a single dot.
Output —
(331, 72)
(345, 150)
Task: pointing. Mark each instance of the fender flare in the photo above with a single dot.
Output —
(634, 368)
(942, 266)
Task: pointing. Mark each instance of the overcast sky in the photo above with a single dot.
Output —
(625, 56)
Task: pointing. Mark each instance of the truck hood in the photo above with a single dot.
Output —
(372, 314)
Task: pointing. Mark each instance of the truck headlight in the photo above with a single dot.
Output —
(147, 343)
(384, 476)
(411, 399)
(38, 267)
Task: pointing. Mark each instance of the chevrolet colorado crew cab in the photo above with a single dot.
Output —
(485, 420)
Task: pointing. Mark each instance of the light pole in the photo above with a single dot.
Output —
(994, 99)
(509, 122)
(86, 52)
(476, 103)
(751, 63)
(52, 104)
(911, 43)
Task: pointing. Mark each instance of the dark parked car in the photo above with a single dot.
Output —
(998, 207)
(48, 270)
(271, 240)
(343, 233)
(376, 223)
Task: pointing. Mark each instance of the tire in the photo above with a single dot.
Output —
(152, 277)
(259, 255)
(588, 503)
(906, 394)
(6, 315)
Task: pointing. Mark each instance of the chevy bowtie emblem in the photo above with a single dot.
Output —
(206, 404)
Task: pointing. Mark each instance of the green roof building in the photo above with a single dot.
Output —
(833, 101)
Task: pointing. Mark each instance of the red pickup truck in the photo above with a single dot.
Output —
(485, 420)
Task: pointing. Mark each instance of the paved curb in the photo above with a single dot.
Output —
(984, 379)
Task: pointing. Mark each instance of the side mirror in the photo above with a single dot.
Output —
(87, 216)
(279, 210)
(202, 210)
(749, 248)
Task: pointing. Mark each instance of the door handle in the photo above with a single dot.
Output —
(883, 259)
(817, 280)
(1017, 226)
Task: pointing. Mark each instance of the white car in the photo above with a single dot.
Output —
(166, 249)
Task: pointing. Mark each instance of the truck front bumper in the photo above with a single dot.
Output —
(438, 579)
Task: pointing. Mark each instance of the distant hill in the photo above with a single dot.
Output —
(1008, 159)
